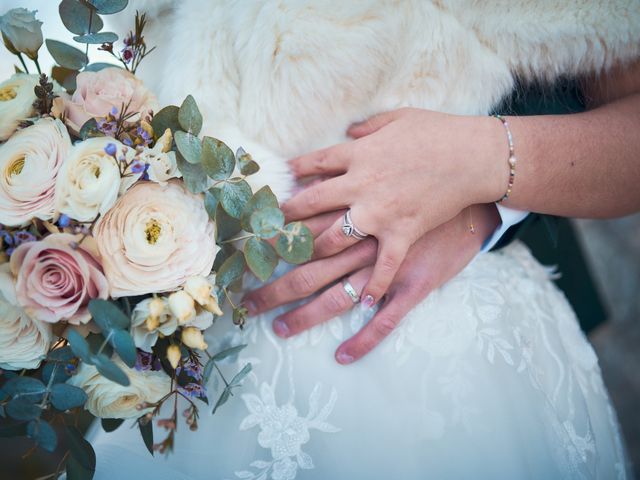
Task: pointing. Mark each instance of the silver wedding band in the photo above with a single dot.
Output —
(349, 229)
(353, 295)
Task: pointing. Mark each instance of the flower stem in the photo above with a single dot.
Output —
(241, 237)
(35, 60)
(24, 65)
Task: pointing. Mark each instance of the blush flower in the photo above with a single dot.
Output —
(154, 238)
(57, 277)
(16, 102)
(29, 162)
(110, 89)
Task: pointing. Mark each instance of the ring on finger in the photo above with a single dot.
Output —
(353, 295)
(349, 229)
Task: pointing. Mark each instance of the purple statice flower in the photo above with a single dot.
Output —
(22, 236)
(193, 390)
(108, 127)
(138, 167)
(145, 174)
(191, 368)
(127, 142)
(13, 240)
(111, 149)
(146, 361)
(144, 135)
(7, 238)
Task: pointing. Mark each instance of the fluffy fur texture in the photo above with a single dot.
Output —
(285, 77)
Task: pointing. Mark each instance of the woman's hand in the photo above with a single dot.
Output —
(431, 261)
(407, 172)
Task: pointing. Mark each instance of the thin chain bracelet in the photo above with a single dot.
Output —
(512, 157)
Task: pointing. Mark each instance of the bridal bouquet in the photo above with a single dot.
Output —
(118, 233)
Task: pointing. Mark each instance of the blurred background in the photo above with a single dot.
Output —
(612, 249)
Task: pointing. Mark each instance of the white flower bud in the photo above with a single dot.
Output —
(182, 306)
(212, 306)
(157, 307)
(173, 355)
(192, 337)
(199, 288)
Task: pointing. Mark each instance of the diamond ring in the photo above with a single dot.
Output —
(349, 229)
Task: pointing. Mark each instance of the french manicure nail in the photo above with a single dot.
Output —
(367, 303)
(344, 358)
(281, 328)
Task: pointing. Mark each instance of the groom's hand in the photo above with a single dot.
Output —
(432, 260)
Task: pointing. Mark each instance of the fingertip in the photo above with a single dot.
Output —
(344, 358)
(281, 328)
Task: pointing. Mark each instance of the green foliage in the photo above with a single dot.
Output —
(96, 67)
(226, 226)
(295, 244)
(165, 118)
(189, 116)
(109, 7)
(20, 409)
(111, 424)
(189, 146)
(245, 162)
(44, 435)
(27, 388)
(81, 464)
(236, 381)
(263, 198)
(146, 430)
(107, 315)
(110, 370)
(80, 347)
(75, 16)
(90, 129)
(66, 55)
(231, 269)
(96, 38)
(193, 175)
(267, 222)
(235, 195)
(124, 346)
(65, 397)
(218, 160)
(261, 258)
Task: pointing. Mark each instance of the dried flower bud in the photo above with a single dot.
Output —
(212, 306)
(199, 288)
(192, 337)
(156, 307)
(173, 355)
(182, 306)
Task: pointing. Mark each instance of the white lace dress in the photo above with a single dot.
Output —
(489, 377)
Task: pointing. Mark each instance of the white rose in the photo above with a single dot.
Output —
(29, 162)
(24, 342)
(107, 399)
(89, 180)
(154, 238)
(16, 102)
(21, 32)
(146, 327)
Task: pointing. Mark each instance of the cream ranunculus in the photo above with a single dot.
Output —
(21, 32)
(89, 180)
(154, 238)
(24, 342)
(107, 399)
(29, 164)
(148, 322)
(16, 102)
(162, 162)
(97, 93)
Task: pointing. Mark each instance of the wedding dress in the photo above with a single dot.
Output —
(490, 376)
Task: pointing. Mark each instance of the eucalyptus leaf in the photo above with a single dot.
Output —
(226, 250)
(218, 160)
(75, 470)
(62, 354)
(261, 258)
(224, 396)
(97, 66)
(146, 430)
(44, 435)
(165, 118)
(57, 370)
(231, 269)
(111, 424)
(107, 315)
(97, 343)
(235, 196)
(27, 388)
(90, 129)
(206, 372)
(237, 379)
(66, 55)
(193, 175)
(124, 346)
(82, 454)
(262, 199)
(297, 246)
(228, 352)
(189, 146)
(227, 227)
(211, 204)
(96, 38)
(80, 346)
(110, 370)
(245, 162)
(76, 17)
(189, 116)
(21, 409)
(65, 397)
(65, 77)
(267, 222)
(109, 7)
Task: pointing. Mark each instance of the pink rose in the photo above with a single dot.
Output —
(55, 281)
(97, 93)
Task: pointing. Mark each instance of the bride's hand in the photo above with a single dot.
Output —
(407, 172)
(431, 261)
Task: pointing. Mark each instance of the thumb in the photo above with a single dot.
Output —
(373, 124)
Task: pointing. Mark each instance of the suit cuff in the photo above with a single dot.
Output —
(509, 217)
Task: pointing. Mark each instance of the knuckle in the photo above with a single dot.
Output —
(335, 301)
(303, 281)
(312, 198)
(384, 326)
(388, 262)
(321, 160)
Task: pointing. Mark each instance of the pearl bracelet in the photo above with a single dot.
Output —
(512, 158)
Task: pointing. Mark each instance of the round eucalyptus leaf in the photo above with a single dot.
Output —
(81, 452)
(218, 160)
(29, 388)
(44, 435)
(235, 196)
(189, 146)
(96, 38)
(66, 55)
(211, 204)
(193, 175)
(124, 346)
(75, 17)
(57, 370)
(21, 409)
(231, 269)
(63, 354)
(80, 347)
(297, 245)
(109, 7)
(245, 162)
(65, 397)
(165, 118)
(189, 116)
(110, 370)
(263, 198)
(97, 66)
(261, 258)
(227, 227)
(107, 315)
(266, 223)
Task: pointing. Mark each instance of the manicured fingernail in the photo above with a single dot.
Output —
(252, 309)
(344, 358)
(367, 303)
(281, 328)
